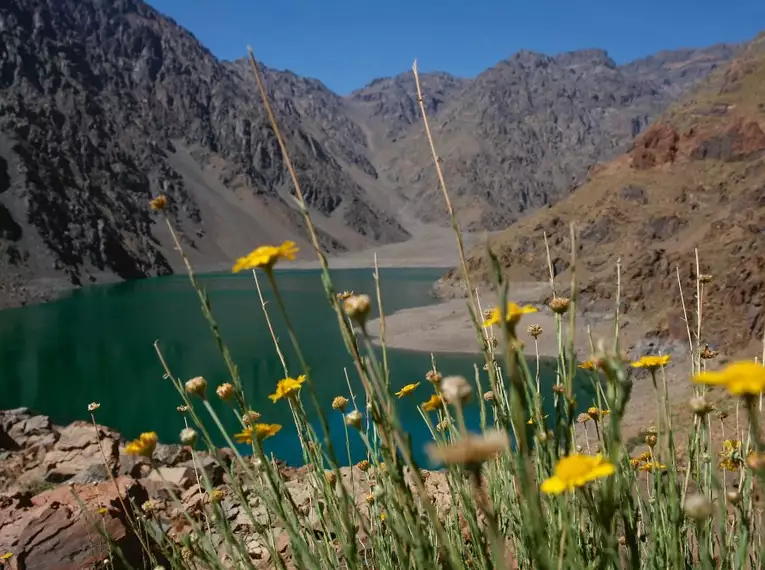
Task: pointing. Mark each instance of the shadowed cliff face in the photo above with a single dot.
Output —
(105, 104)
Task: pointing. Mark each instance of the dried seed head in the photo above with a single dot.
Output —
(455, 389)
(705, 278)
(250, 417)
(339, 403)
(197, 386)
(357, 308)
(701, 406)
(225, 391)
(331, 478)
(559, 305)
(363, 465)
(369, 499)
(535, 331)
(722, 414)
(583, 418)
(651, 440)
(182, 409)
(433, 376)
(559, 389)
(444, 424)
(697, 507)
(354, 419)
(424, 475)
(189, 436)
(488, 396)
(470, 450)
(344, 295)
(487, 313)
(707, 353)
(93, 406)
(734, 497)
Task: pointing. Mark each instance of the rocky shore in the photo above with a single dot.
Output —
(57, 496)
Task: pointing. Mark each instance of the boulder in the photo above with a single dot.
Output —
(54, 531)
(77, 450)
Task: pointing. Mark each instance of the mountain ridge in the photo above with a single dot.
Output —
(106, 104)
(692, 182)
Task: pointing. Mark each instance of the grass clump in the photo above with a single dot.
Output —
(531, 491)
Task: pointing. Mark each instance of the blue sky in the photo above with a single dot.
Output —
(347, 43)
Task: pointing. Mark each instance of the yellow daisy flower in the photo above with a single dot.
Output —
(287, 387)
(651, 362)
(514, 314)
(743, 378)
(266, 256)
(576, 471)
(144, 445)
(259, 431)
(433, 404)
(406, 390)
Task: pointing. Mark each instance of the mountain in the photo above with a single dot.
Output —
(694, 179)
(522, 134)
(106, 103)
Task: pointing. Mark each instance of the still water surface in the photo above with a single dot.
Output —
(97, 345)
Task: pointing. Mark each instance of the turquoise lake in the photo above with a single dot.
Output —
(97, 345)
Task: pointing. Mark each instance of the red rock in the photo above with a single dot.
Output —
(56, 533)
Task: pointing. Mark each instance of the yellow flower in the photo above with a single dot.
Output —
(266, 256)
(514, 314)
(102, 511)
(743, 378)
(596, 413)
(576, 471)
(587, 365)
(408, 389)
(730, 456)
(652, 466)
(433, 404)
(158, 203)
(363, 465)
(635, 462)
(6, 556)
(260, 431)
(144, 445)
(531, 420)
(651, 362)
(287, 387)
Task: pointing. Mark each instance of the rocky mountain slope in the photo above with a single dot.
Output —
(105, 104)
(523, 134)
(694, 179)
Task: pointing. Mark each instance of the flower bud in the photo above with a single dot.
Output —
(339, 403)
(189, 437)
(197, 386)
(455, 389)
(697, 507)
(559, 305)
(357, 308)
(225, 392)
(700, 406)
(354, 419)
